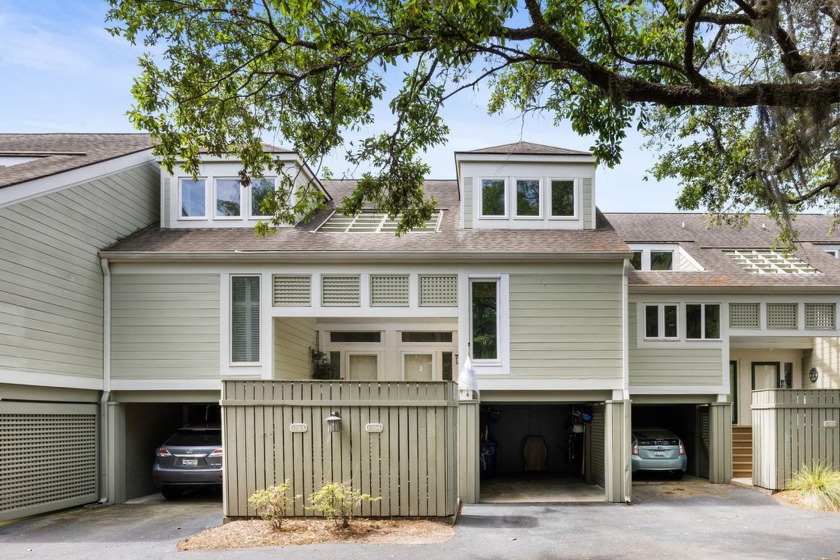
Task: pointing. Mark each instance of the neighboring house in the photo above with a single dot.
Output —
(517, 269)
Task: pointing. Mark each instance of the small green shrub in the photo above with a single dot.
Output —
(337, 501)
(818, 485)
(273, 503)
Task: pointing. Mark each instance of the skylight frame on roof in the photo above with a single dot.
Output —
(768, 261)
(369, 221)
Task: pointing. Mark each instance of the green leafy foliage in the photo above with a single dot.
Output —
(818, 485)
(740, 101)
(273, 503)
(337, 501)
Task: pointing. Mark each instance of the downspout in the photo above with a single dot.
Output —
(106, 381)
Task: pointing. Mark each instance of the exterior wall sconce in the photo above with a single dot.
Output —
(814, 374)
(334, 421)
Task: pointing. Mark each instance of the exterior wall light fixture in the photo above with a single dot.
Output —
(814, 374)
(334, 421)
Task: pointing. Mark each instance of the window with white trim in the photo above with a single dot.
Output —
(661, 321)
(484, 319)
(702, 321)
(193, 200)
(563, 198)
(261, 191)
(228, 199)
(528, 198)
(245, 319)
(657, 257)
(493, 197)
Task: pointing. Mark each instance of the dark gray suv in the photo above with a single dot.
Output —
(190, 458)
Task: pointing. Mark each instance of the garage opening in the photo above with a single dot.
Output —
(536, 452)
(689, 422)
(147, 426)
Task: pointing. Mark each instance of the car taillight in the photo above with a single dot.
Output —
(682, 448)
(162, 452)
(635, 448)
(216, 453)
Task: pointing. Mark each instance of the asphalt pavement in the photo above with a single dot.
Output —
(690, 519)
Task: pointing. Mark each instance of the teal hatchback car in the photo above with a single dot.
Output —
(657, 449)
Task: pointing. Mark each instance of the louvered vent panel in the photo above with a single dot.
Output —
(781, 315)
(389, 291)
(46, 458)
(439, 291)
(340, 291)
(743, 315)
(292, 291)
(819, 316)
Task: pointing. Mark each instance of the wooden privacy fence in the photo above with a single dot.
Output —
(397, 442)
(791, 428)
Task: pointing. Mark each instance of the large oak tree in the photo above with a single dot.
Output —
(739, 98)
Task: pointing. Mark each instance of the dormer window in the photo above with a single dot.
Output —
(528, 198)
(562, 198)
(193, 199)
(493, 195)
(662, 256)
(261, 190)
(228, 198)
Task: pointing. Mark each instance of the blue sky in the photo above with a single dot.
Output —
(62, 72)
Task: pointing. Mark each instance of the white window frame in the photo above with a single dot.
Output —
(505, 198)
(540, 201)
(181, 217)
(833, 250)
(703, 336)
(252, 215)
(502, 323)
(216, 200)
(231, 361)
(575, 201)
(647, 249)
(660, 320)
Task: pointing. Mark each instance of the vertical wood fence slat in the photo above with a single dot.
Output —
(411, 463)
(792, 428)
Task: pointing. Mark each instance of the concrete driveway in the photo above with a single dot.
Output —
(689, 519)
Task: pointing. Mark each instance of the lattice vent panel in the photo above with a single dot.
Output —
(819, 316)
(439, 291)
(46, 458)
(744, 315)
(340, 291)
(389, 291)
(292, 291)
(781, 315)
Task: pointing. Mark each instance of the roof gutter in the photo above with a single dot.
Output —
(734, 289)
(360, 256)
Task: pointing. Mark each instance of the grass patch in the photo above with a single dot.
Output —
(818, 485)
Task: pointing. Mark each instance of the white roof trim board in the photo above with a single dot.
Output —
(768, 261)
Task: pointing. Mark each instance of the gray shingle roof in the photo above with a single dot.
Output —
(706, 244)
(57, 153)
(526, 148)
(450, 240)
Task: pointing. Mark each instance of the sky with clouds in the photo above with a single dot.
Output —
(62, 72)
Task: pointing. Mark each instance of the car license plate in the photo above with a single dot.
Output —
(189, 462)
(658, 453)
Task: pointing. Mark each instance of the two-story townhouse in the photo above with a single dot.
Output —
(63, 197)
(558, 307)
(717, 312)
(516, 269)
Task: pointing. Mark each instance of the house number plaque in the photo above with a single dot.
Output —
(375, 428)
(300, 427)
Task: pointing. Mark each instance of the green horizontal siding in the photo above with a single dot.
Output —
(565, 326)
(51, 285)
(165, 326)
(682, 366)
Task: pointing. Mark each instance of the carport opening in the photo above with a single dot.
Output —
(687, 422)
(532, 452)
(147, 426)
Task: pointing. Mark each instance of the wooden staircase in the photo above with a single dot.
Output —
(742, 453)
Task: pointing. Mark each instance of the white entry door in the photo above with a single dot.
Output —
(765, 375)
(362, 367)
